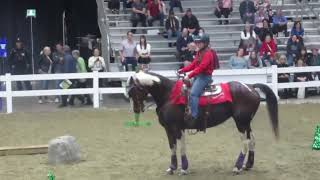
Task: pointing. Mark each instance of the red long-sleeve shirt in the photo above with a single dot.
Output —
(205, 66)
(265, 49)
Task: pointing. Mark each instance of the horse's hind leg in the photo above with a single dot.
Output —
(250, 160)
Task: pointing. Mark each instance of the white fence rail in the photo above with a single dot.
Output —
(250, 76)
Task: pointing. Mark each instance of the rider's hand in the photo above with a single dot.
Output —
(180, 71)
(186, 78)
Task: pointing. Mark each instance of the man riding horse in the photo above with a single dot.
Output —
(201, 70)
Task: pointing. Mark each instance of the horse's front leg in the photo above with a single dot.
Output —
(184, 159)
(173, 146)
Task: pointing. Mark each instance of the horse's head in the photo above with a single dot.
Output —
(138, 87)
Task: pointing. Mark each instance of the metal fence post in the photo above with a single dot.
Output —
(9, 93)
(96, 102)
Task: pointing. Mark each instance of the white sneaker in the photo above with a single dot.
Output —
(56, 100)
(40, 101)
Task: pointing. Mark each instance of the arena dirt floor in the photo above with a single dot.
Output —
(112, 151)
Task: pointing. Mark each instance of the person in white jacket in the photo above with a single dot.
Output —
(143, 52)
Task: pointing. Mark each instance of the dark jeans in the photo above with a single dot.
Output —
(223, 12)
(287, 91)
(26, 83)
(175, 3)
(114, 4)
(159, 17)
(280, 28)
(80, 84)
(126, 5)
(142, 19)
(130, 60)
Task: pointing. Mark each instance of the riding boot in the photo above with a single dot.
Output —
(191, 121)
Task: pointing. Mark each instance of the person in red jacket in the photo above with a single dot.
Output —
(268, 51)
(201, 70)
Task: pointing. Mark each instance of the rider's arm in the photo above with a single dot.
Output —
(206, 61)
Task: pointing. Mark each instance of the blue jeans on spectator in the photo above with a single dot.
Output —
(175, 3)
(130, 60)
(199, 84)
(173, 35)
(159, 17)
(290, 59)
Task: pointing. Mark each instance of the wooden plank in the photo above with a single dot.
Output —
(24, 150)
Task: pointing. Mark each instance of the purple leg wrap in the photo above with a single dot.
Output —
(174, 162)
(240, 160)
(184, 162)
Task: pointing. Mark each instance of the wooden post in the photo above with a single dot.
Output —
(23, 150)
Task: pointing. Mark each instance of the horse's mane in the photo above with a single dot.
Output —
(164, 80)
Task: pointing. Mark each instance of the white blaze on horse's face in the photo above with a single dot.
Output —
(146, 79)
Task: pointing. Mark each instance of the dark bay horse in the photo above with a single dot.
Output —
(246, 101)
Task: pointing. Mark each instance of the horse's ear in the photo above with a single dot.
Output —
(130, 81)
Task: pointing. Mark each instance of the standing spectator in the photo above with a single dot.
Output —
(247, 10)
(20, 63)
(248, 38)
(223, 7)
(126, 4)
(190, 22)
(128, 52)
(283, 78)
(303, 55)
(314, 58)
(182, 45)
(175, 3)
(143, 53)
(138, 15)
(258, 20)
(280, 23)
(58, 61)
(254, 61)
(297, 30)
(69, 66)
(238, 61)
(293, 48)
(302, 76)
(114, 6)
(268, 52)
(172, 27)
(45, 67)
(155, 12)
(266, 30)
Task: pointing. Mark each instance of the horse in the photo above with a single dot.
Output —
(246, 100)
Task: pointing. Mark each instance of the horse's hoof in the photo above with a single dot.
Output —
(236, 171)
(247, 168)
(170, 171)
(183, 172)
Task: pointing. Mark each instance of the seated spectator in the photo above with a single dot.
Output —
(302, 76)
(254, 61)
(293, 48)
(126, 4)
(182, 45)
(172, 27)
(314, 58)
(138, 14)
(114, 6)
(258, 19)
(266, 30)
(238, 61)
(128, 52)
(247, 10)
(248, 38)
(175, 3)
(302, 55)
(201, 32)
(45, 67)
(190, 22)
(223, 7)
(268, 52)
(155, 13)
(284, 77)
(143, 52)
(280, 23)
(297, 30)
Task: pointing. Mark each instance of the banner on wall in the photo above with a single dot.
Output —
(3, 47)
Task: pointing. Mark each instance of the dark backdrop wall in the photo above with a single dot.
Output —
(81, 20)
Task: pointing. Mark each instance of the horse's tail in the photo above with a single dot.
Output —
(272, 105)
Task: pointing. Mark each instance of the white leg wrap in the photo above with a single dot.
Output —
(252, 142)
(245, 143)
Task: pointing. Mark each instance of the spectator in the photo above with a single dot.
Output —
(81, 83)
(265, 4)
(266, 30)
(297, 30)
(248, 38)
(138, 14)
(20, 63)
(314, 58)
(268, 51)
(126, 4)
(69, 66)
(254, 61)
(190, 54)
(143, 53)
(303, 55)
(176, 3)
(259, 17)
(293, 48)
(58, 61)
(238, 61)
(302, 76)
(223, 7)
(280, 23)
(45, 67)
(155, 12)
(201, 32)
(284, 77)
(172, 27)
(190, 22)
(114, 6)
(128, 52)
(247, 10)
(182, 44)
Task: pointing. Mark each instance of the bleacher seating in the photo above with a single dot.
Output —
(224, 38)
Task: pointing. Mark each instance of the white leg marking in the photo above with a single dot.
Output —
(252, 142)
(174, 150)
(182, 144)
(245, 143)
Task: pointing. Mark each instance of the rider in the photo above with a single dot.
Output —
(201, 70)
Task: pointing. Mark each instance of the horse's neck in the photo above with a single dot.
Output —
(161, 93)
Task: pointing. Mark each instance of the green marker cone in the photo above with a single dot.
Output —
(316, 141)
(137, 117)
(51, 176)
